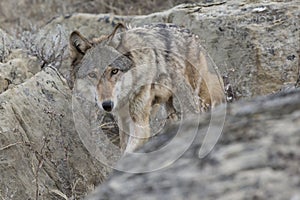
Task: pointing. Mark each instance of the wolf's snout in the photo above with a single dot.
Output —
(107, 105)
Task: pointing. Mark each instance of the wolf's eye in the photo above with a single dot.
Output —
(114, 71)
(92, 75)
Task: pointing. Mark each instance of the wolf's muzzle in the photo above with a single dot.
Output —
(107, 105)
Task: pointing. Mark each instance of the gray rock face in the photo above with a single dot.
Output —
(41, 154)
(18, 15)
(257, 157)
(253, 43)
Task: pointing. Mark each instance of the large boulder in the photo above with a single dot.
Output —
(41, 154)
(256, 157)
(254, 44)
(18, 15)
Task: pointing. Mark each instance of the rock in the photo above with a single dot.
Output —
(41, 153)
(18, 66)
(6, 43)
(3, 84)
(256, 157)
(248, 40)
(253, 43)
(28, 14)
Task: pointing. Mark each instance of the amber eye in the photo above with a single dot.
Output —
(114, 71)
(92, 75)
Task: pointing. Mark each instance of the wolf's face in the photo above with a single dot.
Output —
(106, 86)
(104, 71)
(111, 87)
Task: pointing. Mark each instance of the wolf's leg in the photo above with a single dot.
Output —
(124, 126)
(139, 109)
(154, 109)
(172, 113)
(123, 139)
(124, 130)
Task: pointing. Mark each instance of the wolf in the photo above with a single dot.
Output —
(133, 71)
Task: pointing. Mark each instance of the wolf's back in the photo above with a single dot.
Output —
(177, 52)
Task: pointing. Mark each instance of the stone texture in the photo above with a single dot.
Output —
(18, 15)
(41, 154)
(5, 44)
(253, 43)
(257, 157)
(17, 67)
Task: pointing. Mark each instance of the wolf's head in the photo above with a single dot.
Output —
(103, 67)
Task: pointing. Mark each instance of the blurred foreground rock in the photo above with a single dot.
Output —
(257, 157)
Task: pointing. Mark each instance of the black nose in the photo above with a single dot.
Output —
(107, 105)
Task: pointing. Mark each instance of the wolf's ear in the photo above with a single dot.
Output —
(78, 46)
(108, 38)
(120, 26)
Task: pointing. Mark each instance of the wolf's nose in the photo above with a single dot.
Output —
(107, 105)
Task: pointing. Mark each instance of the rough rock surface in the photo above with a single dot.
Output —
(254, 43)
(257, 157)
(41, 154)
(29, 14)
(17, 67)
(5, 43)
